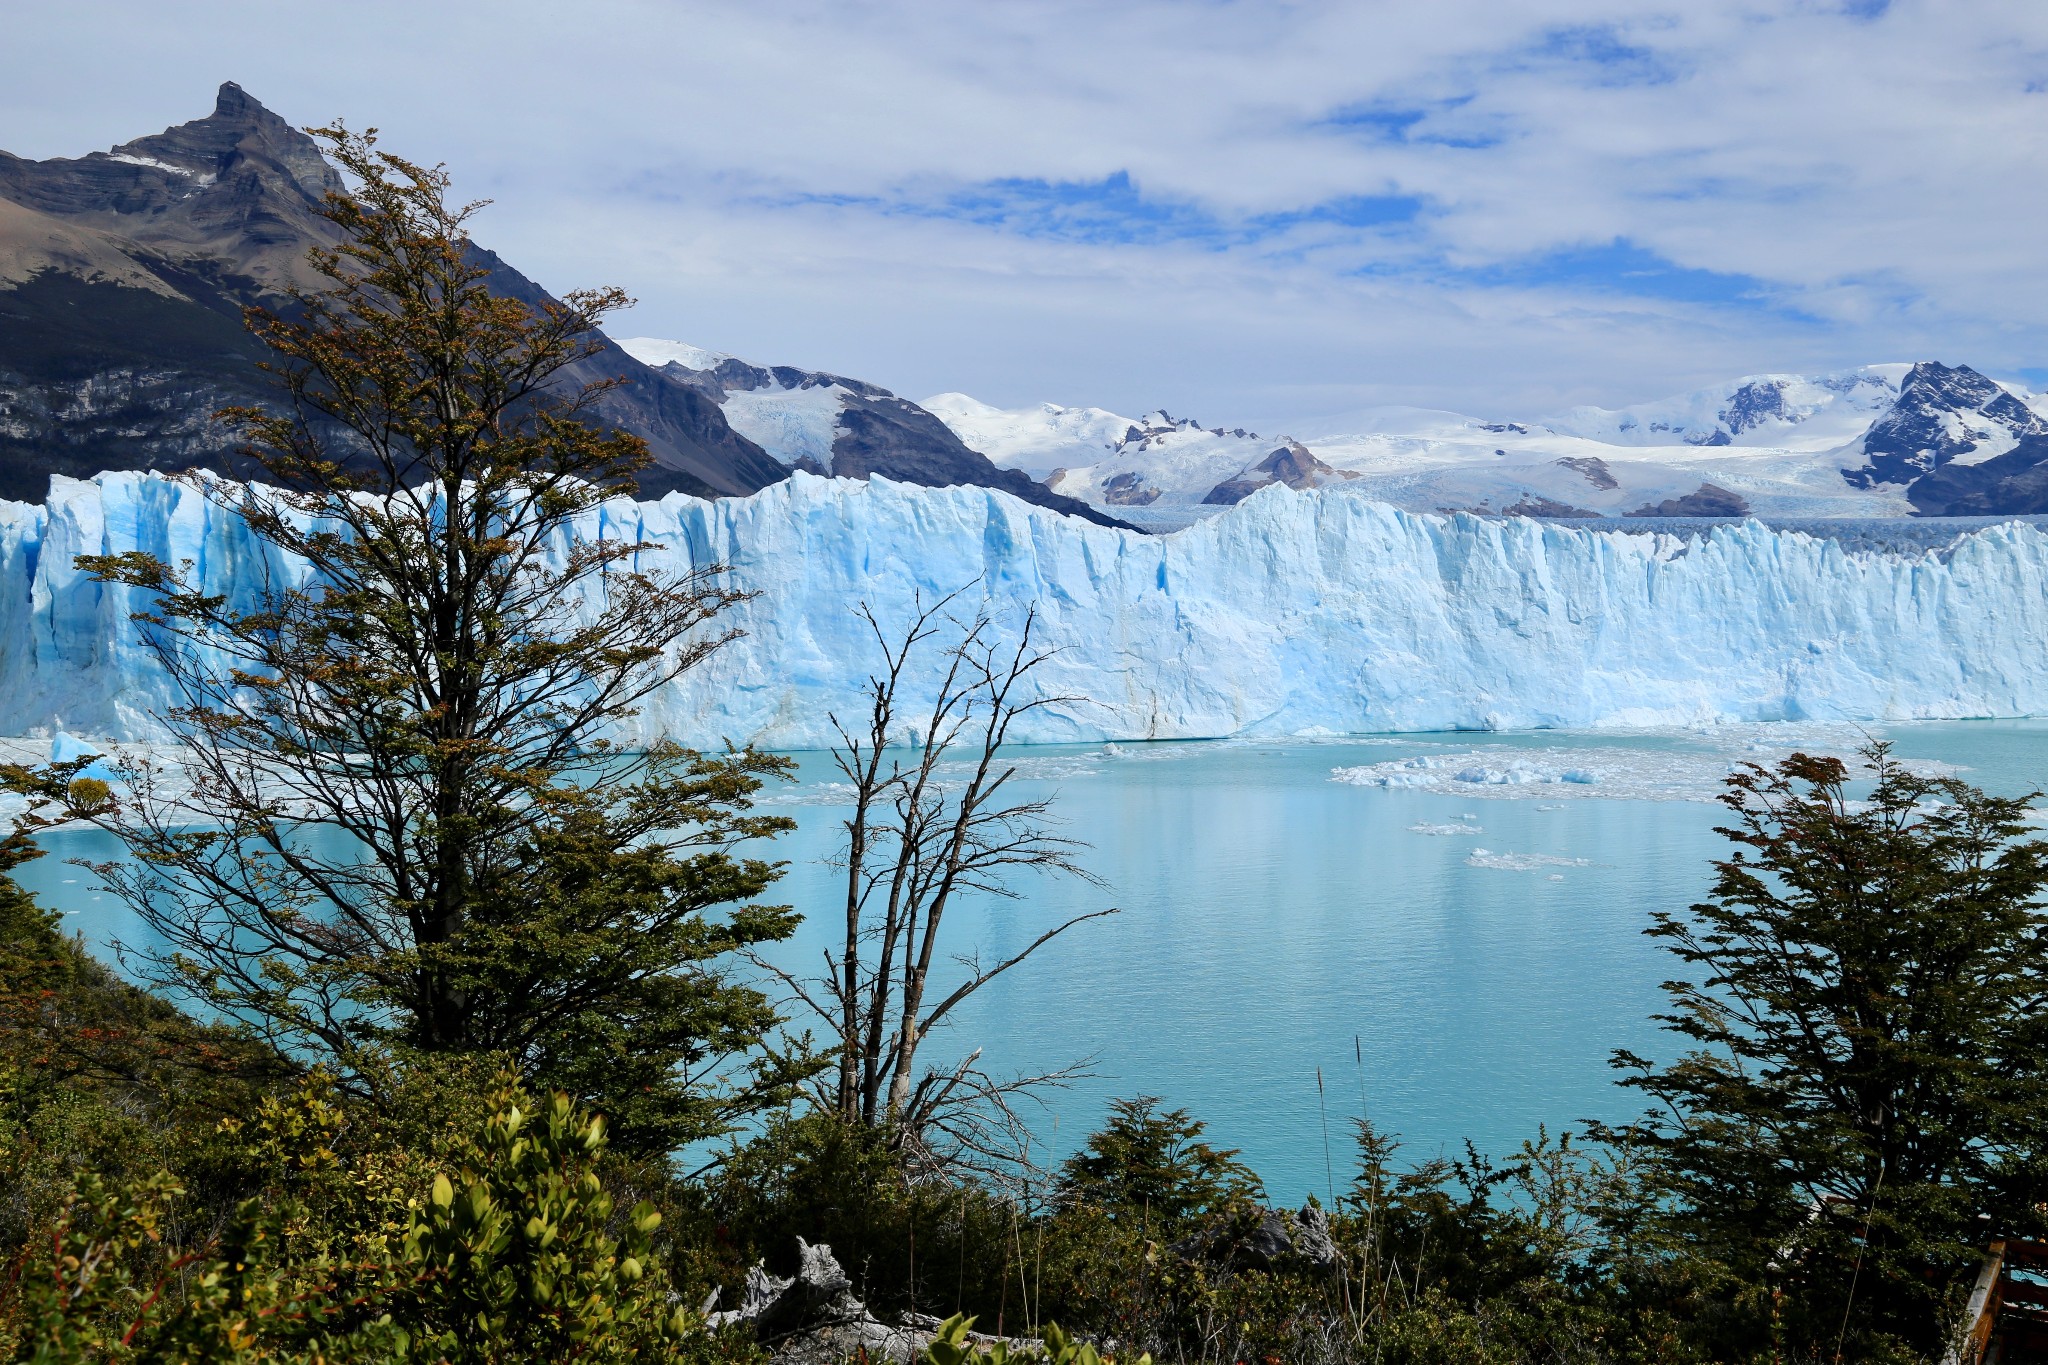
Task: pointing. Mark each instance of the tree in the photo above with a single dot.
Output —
(399, 817)
(1864, 1104)
(1156, 1165)
(926, 830)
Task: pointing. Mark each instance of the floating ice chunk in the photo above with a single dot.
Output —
(1426, 828)
(66, 747)
(810, 794)
(1522, 862)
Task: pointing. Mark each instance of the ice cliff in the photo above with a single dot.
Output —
(1291, 613)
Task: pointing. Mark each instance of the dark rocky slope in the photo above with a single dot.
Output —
(122, 279)
(1942, 414)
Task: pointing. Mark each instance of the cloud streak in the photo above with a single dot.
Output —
(1250, 211)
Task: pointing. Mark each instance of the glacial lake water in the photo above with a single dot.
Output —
(1452, 937)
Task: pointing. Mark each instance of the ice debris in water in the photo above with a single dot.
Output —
(1426, 828)
(1690, 764)
(1522, 862)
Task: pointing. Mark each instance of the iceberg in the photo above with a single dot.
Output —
(1313, 612)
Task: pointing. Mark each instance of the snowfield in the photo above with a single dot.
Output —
(1292, 613)
(1774, 444)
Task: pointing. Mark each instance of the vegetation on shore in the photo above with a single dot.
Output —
(450, 980)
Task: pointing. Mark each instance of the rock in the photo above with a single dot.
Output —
(1265, 1239)
(1128, 490)
(1293, 464)
(1708, 500)
(813, 1317)
(1532, 506)
(1592, 468)
(2012, 484)
(1313, 1242)
(818, 1295)
(1942, 414)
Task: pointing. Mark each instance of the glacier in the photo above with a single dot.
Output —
(1293, 614)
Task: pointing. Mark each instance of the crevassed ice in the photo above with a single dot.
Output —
(1293, 613)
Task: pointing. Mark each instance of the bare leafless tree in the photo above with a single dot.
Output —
(934, 820)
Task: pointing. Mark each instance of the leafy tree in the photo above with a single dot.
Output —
(1864, 1103)
(1156, 1165)
(399, 817)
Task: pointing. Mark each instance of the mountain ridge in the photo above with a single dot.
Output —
(1921, 439)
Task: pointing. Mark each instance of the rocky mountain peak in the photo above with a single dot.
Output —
(1943, 414)
(195, 178)
(240, 129)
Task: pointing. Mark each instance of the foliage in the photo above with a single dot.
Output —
(94, 1072)
(398, 820)
(1866, 1099)
(102, 1297)
(1156, 1167)
(951, 1346)
(513, 1258)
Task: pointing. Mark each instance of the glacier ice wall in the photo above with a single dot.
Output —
(1294, 613)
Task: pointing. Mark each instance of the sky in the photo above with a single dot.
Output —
(1247, 211)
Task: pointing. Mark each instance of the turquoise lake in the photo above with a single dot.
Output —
(1457, 944)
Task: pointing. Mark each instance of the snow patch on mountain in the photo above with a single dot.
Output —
(1037, 440)
(1774, 411)
(794, 415)
(657, 352)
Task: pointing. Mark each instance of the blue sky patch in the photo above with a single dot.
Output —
(1415, 124)
(1111, 210)
(1622, 267)
(1599, 51)
(1114, 211)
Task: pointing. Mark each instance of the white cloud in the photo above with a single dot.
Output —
(1877, 178)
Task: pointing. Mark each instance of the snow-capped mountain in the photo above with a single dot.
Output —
(829, 424)
(1861, 442)
(1770, 411)
(1127, 462)
(1944, 416)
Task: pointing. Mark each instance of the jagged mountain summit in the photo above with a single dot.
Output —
(1883, 440)
(829, 424)
(122, 279)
